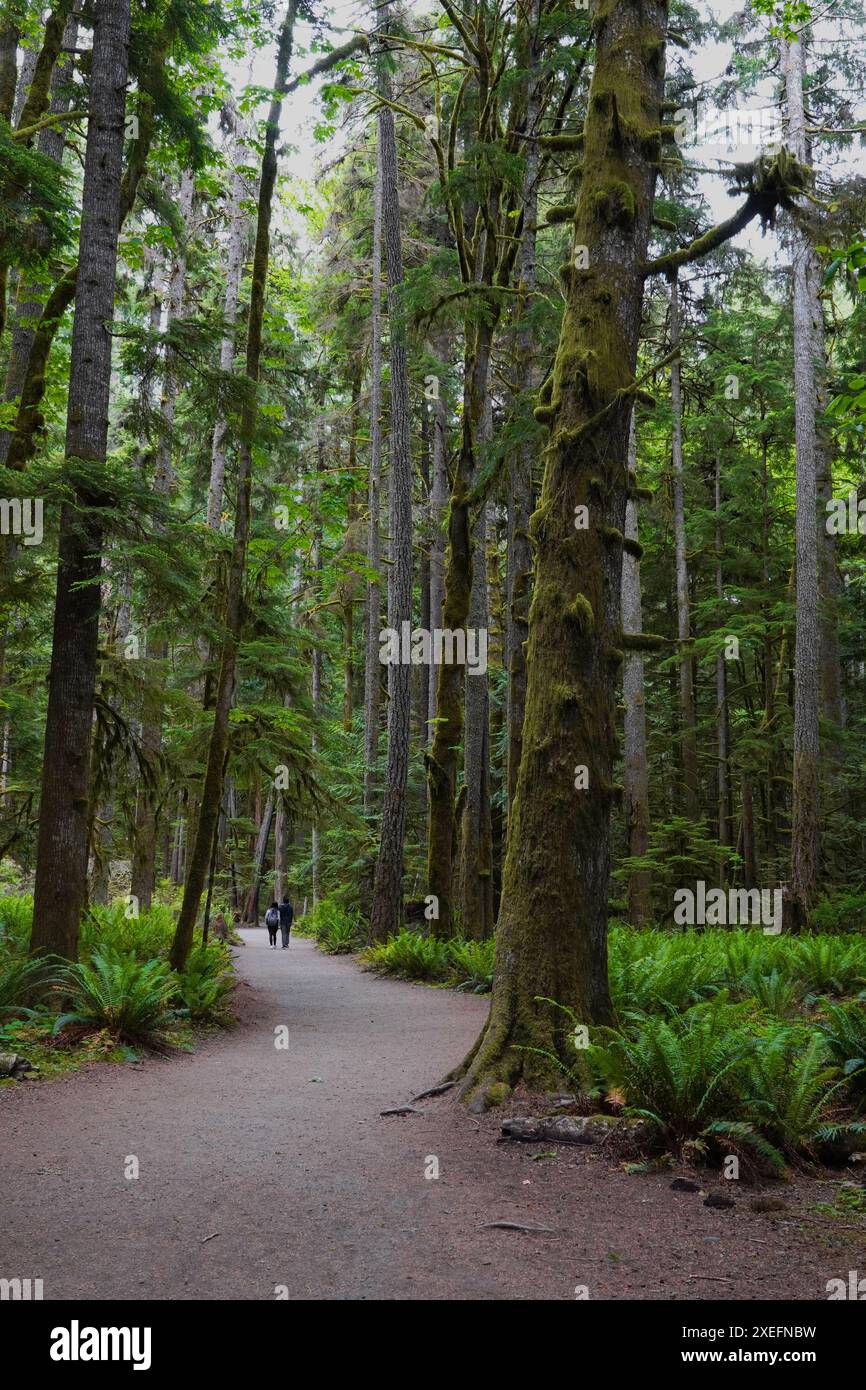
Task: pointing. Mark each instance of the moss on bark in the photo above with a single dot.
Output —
(552, 931)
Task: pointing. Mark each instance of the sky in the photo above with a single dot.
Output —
(303, 156)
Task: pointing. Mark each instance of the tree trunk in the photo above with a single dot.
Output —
(218, 747)
(387, 904)
(251, 911)
(372, 665)
(146, 827)
(519, 570)
(687, 688)
(238, 226)
(438, 505)
(61, 871)
(722, 752)
(476, 830)
(552, 932)
(635, 773)
(806, 792)
(316, 655)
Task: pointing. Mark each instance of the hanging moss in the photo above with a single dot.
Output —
(570, 140)
(640, 494)
(633, 548)
(580, 613)
(614, 204)
(642, 641)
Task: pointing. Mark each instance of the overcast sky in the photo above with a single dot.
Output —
(301, 113)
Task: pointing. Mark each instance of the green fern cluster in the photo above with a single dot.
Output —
(467, 965)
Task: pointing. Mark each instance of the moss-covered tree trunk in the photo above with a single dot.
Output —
(444, 756)
(551, 936)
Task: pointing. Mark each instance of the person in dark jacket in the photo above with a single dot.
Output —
(287, 916)
(272, 921)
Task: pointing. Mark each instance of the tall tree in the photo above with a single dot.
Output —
(61, 871)
(635, 775)
(386, 910)
(209, 809)
(803, 885)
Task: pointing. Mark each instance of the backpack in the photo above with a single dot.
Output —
(272, 917)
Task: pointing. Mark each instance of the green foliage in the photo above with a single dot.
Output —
(16, 919)
(148, 935)
(133, 1000)
(472, 963)
(410, 956)
(338, 930)
(844, 911)
(844, 1029)
(203, 987)
(24, 983)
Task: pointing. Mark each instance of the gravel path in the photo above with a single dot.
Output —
(265, 1169)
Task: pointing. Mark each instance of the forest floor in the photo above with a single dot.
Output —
(261, 1167)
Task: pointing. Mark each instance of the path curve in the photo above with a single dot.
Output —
(262, 1169)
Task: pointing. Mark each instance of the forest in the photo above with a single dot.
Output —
(433, 494)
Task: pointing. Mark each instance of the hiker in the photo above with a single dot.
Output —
(272, 921)
(287, 914)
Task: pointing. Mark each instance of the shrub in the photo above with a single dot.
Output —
(16, 920)
(204, 985)
(24, 981)
(829, 964)
(680, 1073)
(652, 972)
(337, 929)
(844, 1030)
(790, 1088)
(840, 912)
(472, 964)
(131, 999)
(145, 936)
(411, 956)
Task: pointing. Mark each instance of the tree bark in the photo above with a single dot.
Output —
(722, 739)
(519, 571)
(635, 773)
(387, 906)
(218, 747)
(687, 688)
(552, 932)
(372, 665)
(61, 871)
(238, 227)
(803, 886)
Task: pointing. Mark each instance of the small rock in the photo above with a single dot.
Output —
(11, 1064)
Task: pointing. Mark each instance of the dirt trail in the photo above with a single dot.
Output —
(261, 1167)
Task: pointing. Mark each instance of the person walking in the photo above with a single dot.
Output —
(272, 921)
(287, 915)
